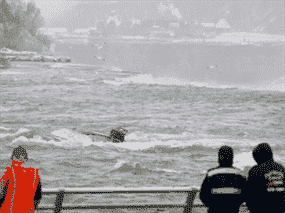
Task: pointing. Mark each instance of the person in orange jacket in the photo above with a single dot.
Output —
(20, 186)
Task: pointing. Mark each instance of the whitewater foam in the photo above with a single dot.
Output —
(71, 139)
(117, 69)
(115, 83)
(58, 65)
(153, 143)
(135, 141)
(17, 134)
(36, 140)
(62, 138)
(150, 80)
(138, 169)
(4, 128)
(76, 79)
(277, 85)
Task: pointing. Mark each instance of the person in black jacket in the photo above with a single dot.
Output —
(265, 183)
(222, 190)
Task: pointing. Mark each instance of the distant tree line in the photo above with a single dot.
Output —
(19, 24)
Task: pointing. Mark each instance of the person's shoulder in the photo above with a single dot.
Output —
(256, 170)
(224, 170)
(212, 169)
(237, 170)
(281, 167)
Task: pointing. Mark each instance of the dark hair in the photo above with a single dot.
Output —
(226, 155)
(262, 153)
(18, 151)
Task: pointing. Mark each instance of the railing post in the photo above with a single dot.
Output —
(58, 201)
(189, 201)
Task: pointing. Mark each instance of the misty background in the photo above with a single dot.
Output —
(242, 16)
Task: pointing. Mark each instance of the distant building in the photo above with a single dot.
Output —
(113, 24)
(223, 26)
(113, 17)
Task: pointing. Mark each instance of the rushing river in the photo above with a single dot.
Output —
(176, 123)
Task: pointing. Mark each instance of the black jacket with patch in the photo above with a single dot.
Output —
(265, 188)
(223, 189)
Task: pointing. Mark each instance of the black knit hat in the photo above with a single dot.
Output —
(226, 155)
(18, 151)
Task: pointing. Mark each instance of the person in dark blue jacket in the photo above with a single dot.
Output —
(222, 190)
(265, 183)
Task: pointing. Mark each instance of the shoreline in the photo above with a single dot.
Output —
(224, 40)
(12, 55)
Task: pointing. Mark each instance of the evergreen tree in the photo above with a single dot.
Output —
(20, 24)
(6, 19)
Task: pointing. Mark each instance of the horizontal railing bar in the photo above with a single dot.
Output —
(116, 206)
(117, 190)
(127, 207)
(191, 191)
(137, 206)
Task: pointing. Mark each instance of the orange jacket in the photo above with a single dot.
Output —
(21, 190)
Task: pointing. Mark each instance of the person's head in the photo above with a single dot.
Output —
(226, 155)
(19, 154)
(262, 153)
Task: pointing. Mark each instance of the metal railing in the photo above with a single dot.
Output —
(60, 192)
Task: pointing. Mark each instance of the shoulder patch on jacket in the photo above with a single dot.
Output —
(224, 171)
